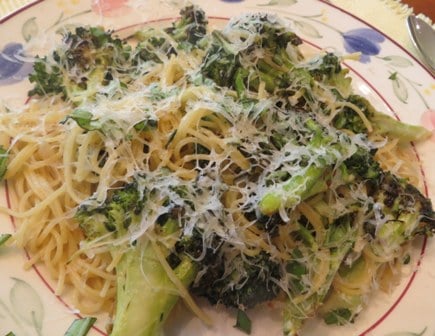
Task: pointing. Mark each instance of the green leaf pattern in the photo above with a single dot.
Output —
(407, 333)
(279, 3)
(399, 88)
(29, 29)
(398, 61)
(25, 307)
(27, 304)
(307, 29)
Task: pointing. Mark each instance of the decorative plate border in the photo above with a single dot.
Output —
(352, 38)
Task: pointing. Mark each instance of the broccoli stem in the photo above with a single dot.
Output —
(295, 190)
(145, 294)
(406, 133)
(295, 314)
(340, 238)
(341, 308)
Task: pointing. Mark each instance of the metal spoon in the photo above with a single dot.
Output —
(423, 37)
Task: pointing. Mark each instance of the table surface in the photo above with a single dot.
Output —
(426, 7)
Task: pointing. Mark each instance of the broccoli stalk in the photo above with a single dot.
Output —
(384, 124)
(295, 190)
(145, 293)
(341, 236)
(310, 181)
(381, 123)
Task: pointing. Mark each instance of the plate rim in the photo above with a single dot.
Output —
(33, 5)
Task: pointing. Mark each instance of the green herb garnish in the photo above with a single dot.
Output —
(243, 322)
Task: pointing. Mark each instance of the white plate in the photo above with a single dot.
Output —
(388, 75)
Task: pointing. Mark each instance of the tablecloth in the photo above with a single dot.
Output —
(389, 16)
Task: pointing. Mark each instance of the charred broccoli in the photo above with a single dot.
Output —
(145, 293)
(232, 59)
(88, 59)
(239, 281)
(190, 28)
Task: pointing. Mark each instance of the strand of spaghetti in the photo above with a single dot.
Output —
(104, 292)
(82, 283)
(212, 140)
(58, 221)
(22, 137)
(184, 173)
(193, 157)
(39, 186)
(368, 251)
(182, 290)
(219, 145)
(84, 296)
(321, 271)
(284, 242)
(95, 270)
(34, 258)
(190, 120)
(88, 144)
(239, 158)
(49, 248)
(20, 159)
(60, 284)
(107, 175)
(37, 208)
(214, 123)
(56, 255)
(189, 140)
(172, 72)
(358, 111)
(68, 163)
(116, 257)
(315, 220)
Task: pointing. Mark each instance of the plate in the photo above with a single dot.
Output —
(387, 74)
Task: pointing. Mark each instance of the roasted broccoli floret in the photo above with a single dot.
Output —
(327, 70)
(361, 165)
(190, 28)
(239, 281)
(145, 293)
(328, 66)
(405, 210)
(228, 276)
(88, 59)
(47, 78)
(234, 60)
(153, 46)
(221, 61)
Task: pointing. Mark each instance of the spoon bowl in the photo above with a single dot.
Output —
(423, 37)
